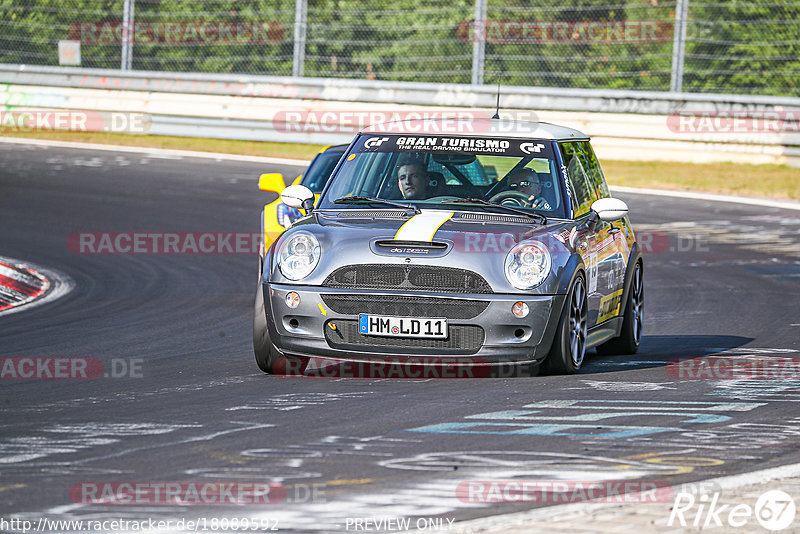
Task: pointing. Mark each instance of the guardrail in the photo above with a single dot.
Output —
(624, 124)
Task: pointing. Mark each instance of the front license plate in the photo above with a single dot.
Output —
(381, 325)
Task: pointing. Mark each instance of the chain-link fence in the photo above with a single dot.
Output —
(729, 46)
(743, 47)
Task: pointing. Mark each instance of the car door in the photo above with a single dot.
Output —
(614, 240)
(620, 230)
(596, 245)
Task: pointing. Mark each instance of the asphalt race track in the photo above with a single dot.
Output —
(179, 397)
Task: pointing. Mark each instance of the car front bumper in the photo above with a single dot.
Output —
(493, 335)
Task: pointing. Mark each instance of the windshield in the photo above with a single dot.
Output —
(444, 172)
(317, 174)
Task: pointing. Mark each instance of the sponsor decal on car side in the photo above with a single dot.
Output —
(609, 306)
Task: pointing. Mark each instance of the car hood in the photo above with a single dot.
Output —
(471, 240)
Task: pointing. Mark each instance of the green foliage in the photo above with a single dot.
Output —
(585, 44)
(744, 47)
(733, 46)
(375, 39)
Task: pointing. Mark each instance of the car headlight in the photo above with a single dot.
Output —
(287, 216)
(527, 265)
(298, 256)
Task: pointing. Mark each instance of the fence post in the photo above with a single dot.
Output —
(127, 34)
(300, 13)
(478, 42)
(679, 45)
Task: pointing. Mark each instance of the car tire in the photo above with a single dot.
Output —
(569, 345)
(265, 353)
(632, 321)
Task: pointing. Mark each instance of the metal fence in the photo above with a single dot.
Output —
(728, 46)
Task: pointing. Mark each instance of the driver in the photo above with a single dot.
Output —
(526, 181)
(413, 180)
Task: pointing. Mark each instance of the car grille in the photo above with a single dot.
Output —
(462, 339)
(402, 306)
(409, 277)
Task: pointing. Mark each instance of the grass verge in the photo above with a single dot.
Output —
(225, 146)
(774, 181)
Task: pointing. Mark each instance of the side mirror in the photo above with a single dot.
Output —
(271, 182)
(298, 196)
(610, 209)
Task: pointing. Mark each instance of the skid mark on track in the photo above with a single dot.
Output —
(310, 509)
(517, 464)
(372, 446)
(73, 438)
(126, 396)
(759, 389)
(116, 429)
(623, 363)
(275, 472)
(55, 468)
(436, 494)
(296, 401)
(623, 386)
(584, 420)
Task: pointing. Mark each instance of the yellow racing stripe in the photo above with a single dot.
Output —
(422, 227)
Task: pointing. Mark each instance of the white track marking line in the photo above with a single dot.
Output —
(155, 151)
(764, 202)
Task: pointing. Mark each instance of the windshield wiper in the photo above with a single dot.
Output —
(356, 199)
(496, 205)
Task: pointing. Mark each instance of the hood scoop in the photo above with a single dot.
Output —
(394, 247)
(431, 245)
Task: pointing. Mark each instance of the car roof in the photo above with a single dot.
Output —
(480, 127)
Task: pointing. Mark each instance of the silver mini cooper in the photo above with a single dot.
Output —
(494, 242)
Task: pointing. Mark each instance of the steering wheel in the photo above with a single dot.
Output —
(518, 198)
(511, 198)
